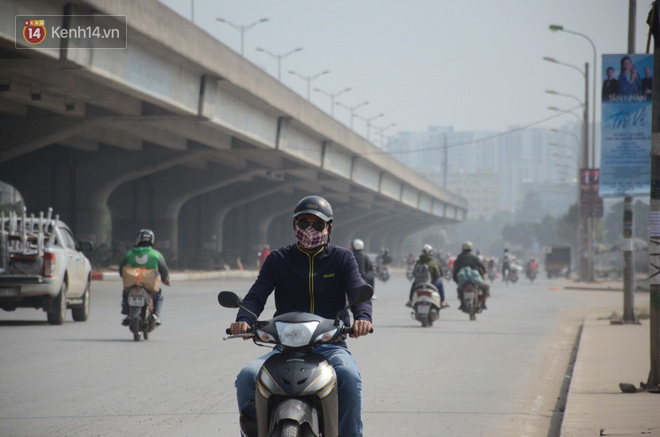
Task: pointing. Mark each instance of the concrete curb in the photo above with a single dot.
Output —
(185, 276)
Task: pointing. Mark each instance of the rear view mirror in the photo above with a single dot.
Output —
(229, 299)
(361, 294)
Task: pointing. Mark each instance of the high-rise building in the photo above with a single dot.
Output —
(518, 161)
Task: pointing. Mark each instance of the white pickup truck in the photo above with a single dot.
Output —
(42, 266)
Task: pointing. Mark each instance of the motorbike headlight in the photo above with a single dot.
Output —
(326, 336)
(295, 334)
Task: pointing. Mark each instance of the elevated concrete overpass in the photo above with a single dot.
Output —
(179, 133)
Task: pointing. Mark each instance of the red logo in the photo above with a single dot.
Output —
(34, 31)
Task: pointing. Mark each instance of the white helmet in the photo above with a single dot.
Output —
(358, 244)
(467, 245)
(427, 249)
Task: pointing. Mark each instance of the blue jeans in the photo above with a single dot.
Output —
(349, 384)
(441, 289)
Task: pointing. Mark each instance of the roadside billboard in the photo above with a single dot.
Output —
(625, 165)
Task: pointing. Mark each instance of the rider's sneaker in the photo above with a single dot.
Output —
(444, 305)
(374, 297)
(126, 321)
(483, 306)
(409, 304)
(157, 319)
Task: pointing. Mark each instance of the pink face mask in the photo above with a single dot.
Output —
(310, 238)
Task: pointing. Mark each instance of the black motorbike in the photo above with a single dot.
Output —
(140, 308)
(472, 300)
(513, 275)
(447, 273)
(296, 392)
(382, 272)
(531, 274)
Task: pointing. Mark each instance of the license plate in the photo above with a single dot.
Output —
(9, 292)
(423, 308)
(469, 295)
(135, 301)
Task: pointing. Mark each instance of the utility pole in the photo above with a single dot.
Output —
(445, 163)
(585, 249)
(628, 256)
(654, 223)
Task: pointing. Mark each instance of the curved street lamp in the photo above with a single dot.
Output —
(368, 120)
(242, 29)
(557, 93)
(352, 109)
(332, 98)
(563, 146)
(585, 104)
(381, 130)
(577, 140)
(279, 59)
(309, 79)
(559, 28)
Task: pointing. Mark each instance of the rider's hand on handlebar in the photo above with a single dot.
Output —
(360, 328)
(239, 328)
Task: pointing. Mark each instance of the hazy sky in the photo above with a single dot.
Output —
(473, 64)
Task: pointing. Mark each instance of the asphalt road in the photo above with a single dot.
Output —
(499, 375)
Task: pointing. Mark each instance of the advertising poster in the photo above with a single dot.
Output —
(625, 166)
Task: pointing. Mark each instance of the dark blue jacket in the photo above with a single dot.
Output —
(313, 283)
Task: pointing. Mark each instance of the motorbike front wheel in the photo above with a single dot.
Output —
(290, 428)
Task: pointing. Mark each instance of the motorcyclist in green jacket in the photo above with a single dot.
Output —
(143, 255)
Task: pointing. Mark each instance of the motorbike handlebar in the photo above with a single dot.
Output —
(349, 330)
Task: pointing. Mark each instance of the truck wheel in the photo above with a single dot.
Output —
(81, 313)
(57, 312)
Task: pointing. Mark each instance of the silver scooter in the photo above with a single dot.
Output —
(296, 389)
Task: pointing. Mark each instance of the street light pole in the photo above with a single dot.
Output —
(558, 28)
(309, 79)
(332, 98)
(587, 275)
(242, 29)
(279, 59)
(383, 129)
(368, 120)
(352, 109)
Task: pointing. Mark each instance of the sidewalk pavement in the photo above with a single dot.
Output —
(607, 356)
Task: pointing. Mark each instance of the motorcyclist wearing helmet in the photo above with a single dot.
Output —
(385, 257)
(365, 266)
(311, 276)
(145, 256)
(436, 275)
(506, 263)
(468, 259)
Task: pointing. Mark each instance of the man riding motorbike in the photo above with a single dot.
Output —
(364, 264)
(468, 259)
(315, 277)
(506, 264)
(426, 257)
(532, 268)
(143, 255)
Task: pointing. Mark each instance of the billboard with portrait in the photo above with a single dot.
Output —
(625, 165)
